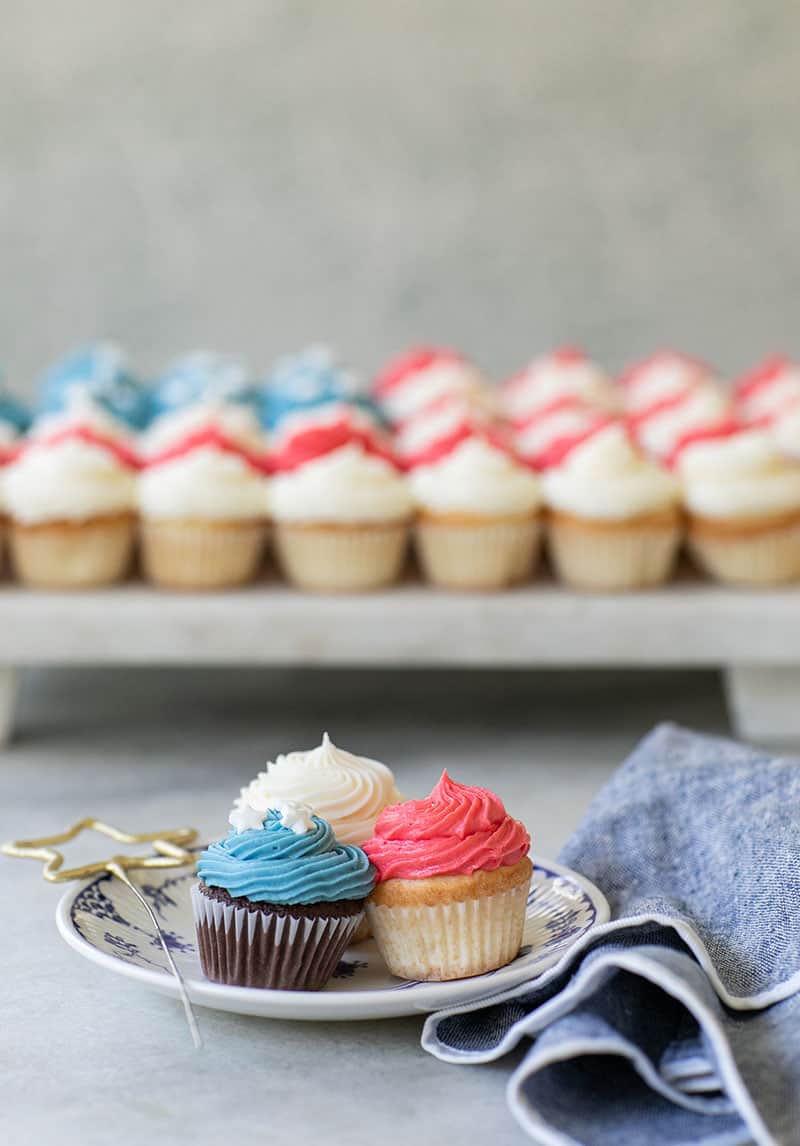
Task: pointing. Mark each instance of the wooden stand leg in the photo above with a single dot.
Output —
(764, 702)
(8, 700)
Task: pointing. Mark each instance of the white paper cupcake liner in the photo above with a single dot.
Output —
(259, 948)
(612, 558)
(451, 940)
(341, 558)
(479, 555)
(202, 554)
(72, 555)
(766, 557)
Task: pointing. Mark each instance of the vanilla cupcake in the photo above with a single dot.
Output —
(742, 498)
(477, 517)
(203, 498)
(613, 516)
(341, 519)
(348, 791)
(453, 875)
(70, 499)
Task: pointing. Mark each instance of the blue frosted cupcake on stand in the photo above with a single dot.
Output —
(278, 900)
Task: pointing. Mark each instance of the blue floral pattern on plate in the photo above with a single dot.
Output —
(105, 922)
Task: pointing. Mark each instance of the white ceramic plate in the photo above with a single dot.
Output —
(103, 922)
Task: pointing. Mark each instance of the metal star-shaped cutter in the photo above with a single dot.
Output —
(170, 851)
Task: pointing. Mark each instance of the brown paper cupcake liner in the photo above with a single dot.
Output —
(477, 554)
(73, 555)
(341, 558)
(269, 946)
(201, 554)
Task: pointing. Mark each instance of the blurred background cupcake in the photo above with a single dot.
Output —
(613, 515)
(742, 497)
(70, 497)
(203, 491)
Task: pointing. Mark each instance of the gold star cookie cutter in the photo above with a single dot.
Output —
(169, 850)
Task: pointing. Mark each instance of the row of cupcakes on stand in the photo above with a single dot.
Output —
(615, 473)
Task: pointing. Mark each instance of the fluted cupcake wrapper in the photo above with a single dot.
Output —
(613, 557)
(341, 558)
(765, 557)
(72, 555)
(244, 948)
(479, 555)
(451, 940)
(202, 554)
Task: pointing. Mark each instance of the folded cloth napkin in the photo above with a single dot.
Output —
(678, 1021)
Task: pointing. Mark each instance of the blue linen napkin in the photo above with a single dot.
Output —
(679, 1020)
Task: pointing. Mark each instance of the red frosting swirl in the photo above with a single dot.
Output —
(315, 441)
(412, 362)
(209, 435)
(457, 830)
(116, 446)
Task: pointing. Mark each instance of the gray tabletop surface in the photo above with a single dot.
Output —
(87, 1058)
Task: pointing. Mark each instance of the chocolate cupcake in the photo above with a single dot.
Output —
(278, 900)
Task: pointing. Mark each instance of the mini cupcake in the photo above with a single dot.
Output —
(477, 516)
(453, 877)
(421, 377)
(348, 791)
(278, 900)
(441, 427)
(544, 434)
(742, 498)
(567, 373)
(203, 498)
(613, 516)
(341, 517)
(70, 497)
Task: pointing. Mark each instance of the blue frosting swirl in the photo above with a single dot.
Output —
(200, 377)
(272, 864)
(311, 378)
(102, 370)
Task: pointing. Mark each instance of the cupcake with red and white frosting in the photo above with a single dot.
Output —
(203, 497)
(742, 498)
(70, 498)
(342, 512)
(420, 378)
(453, 875)
(613, 515)
(567, 373)
(540, 438)
(477, 514)
(663, 375)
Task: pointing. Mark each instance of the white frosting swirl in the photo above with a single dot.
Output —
(664, 377)
(476, 478)
(570, 421)
(72, 480)
(605, 477)
(206, 484)
(702, 406)
(743, 475)
(346, 485)
(420, 389)
(773, 397)
(232, 419)
(546, 379)
(348, 791)
(786, 431)
(429, 427)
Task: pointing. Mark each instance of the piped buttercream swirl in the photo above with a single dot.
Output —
(457, 830)
(347, 790)
(275, 864)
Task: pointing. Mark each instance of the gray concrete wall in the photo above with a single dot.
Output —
(254, 174)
